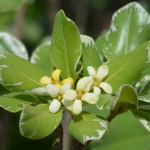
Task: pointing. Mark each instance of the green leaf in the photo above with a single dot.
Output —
(23, 96)
(18, 75)
(78, 69)
(129, 29)
(37, 122)
(3, 90)
(143, 86)
(127, 69)
(125, 133)
(41, 58)
(90, 55)
(9, 44)
(99, 44)
(143, 116)
(126, 93)
(7, 5)
(103, 101)
(10, 104)
(65, 46)
(144, 101)
(85, 127)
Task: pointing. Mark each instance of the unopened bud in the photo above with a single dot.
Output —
(56, 74)
(68, 80)
(54, 106)
(45, 80)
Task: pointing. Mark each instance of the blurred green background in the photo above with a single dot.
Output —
(31, 21)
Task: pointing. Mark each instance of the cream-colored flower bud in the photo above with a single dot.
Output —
(54, 106)
(45, 80)
(56, 74)
(68, 80)
(58, 86)
(77, 107)
(70, 95)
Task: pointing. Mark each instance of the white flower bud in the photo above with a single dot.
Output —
(77, 107)
(54, 106)
(52, 90)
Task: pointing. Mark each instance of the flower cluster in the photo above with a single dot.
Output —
(87, 89)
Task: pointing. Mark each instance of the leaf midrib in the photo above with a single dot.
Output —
(123, 66)
(65, 48)
(35, 116)
(26, 75)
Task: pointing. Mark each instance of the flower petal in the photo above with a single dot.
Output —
(54, 106)
(82, 84)
(70, 95)
(89, 85)
(102, 72)
(56, 74)
(89, 98)
(106, 87)
(65, 88)
(91, 71)
(67, 104)
(97, 90)
(52, 90)
(77, 107)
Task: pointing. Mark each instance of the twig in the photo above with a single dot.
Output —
(58, 143)
(18, 22)
(5, 130)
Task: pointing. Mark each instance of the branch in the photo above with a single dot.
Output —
(59, 133)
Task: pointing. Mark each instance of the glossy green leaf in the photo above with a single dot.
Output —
(41, 58)
(143, 86)
(9, 44)
(9, 5)
(103, 101)
(65, 45)
(37, 122)
(85, 127)
(127, 69)
(125, 133)
(10, 104)
(126, 93)
(18, 75)
(143, 116)
(129, 29)
(99, 44)
(90, 55)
